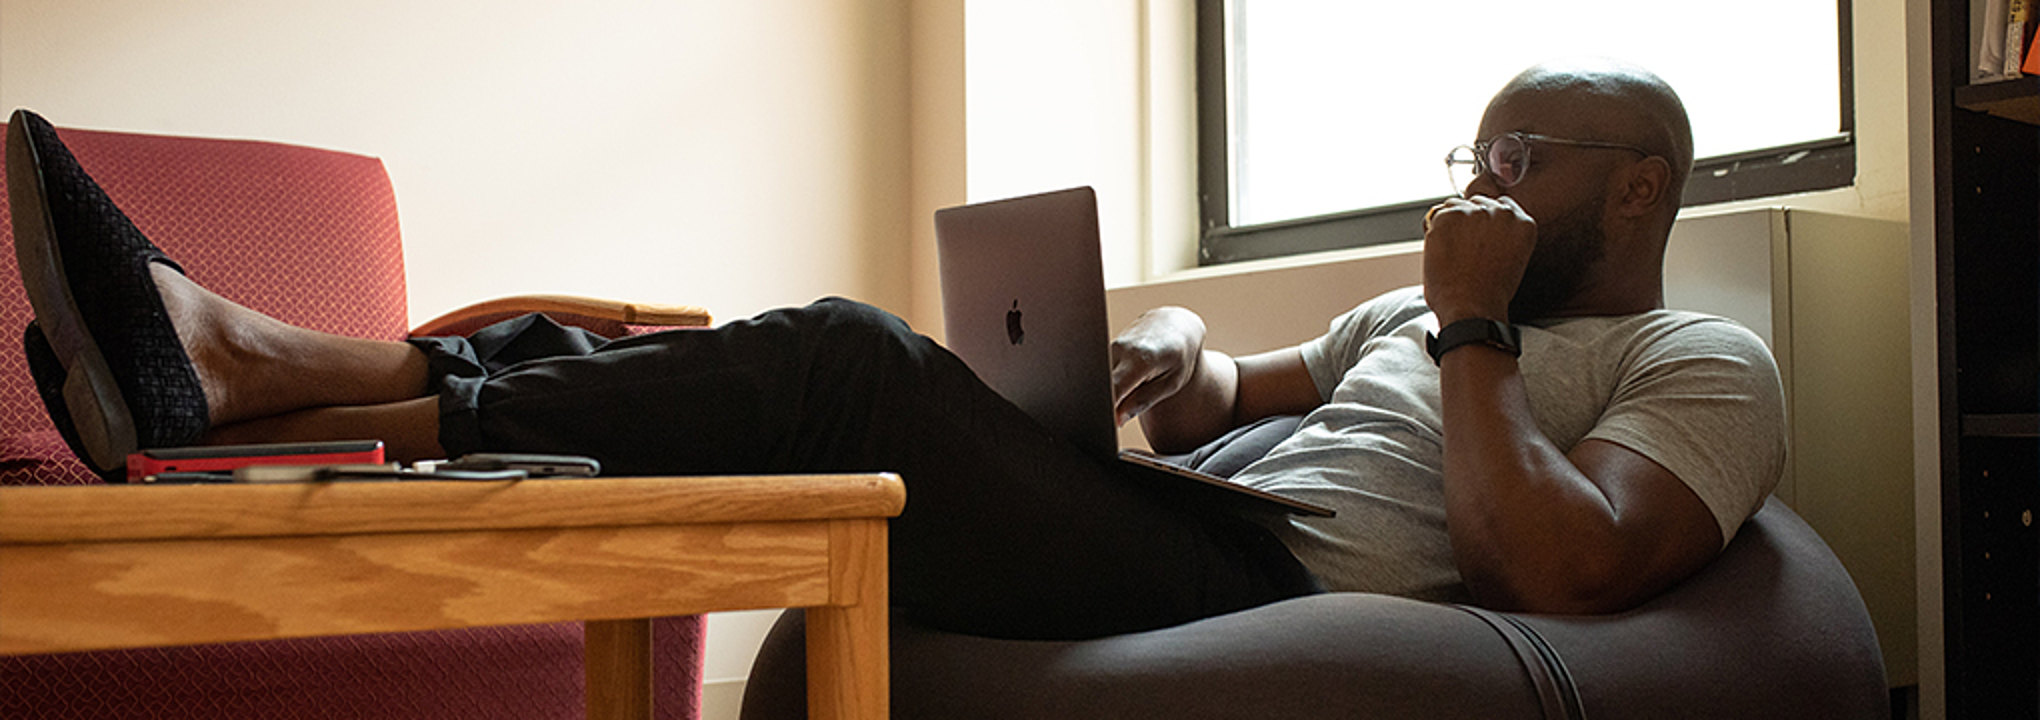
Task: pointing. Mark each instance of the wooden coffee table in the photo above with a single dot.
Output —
(105, 567)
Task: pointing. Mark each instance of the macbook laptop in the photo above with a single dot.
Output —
(1023, 301)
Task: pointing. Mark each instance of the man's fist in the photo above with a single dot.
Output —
(1475, 251)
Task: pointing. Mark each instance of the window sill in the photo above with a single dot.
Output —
(1283, 263)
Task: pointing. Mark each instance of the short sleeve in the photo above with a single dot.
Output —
(1328, 357)
(1702, 397)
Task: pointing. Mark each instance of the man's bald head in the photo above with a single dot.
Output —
(1616, 102)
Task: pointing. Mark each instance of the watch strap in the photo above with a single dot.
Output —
(1470, 331)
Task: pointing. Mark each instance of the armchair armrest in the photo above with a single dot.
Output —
(610, 318)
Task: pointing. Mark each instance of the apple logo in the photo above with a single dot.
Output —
(1014, 332)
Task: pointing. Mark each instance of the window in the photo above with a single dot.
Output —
(1323, 123)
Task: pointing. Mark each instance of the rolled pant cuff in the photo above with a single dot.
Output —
(456, 376)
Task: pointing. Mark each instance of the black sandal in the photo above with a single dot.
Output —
(127, 383)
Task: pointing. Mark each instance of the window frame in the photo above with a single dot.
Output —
(1821, 164)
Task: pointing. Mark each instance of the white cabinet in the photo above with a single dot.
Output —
(1830, 295)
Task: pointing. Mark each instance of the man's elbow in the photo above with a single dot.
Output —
(1575, 588)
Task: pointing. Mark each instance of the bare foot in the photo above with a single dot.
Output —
(254, 366)
(204, 323)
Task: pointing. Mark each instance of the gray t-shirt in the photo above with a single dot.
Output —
(1698, 394)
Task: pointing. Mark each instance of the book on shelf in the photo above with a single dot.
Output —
(2018, 14)
(2032, 66)
(2005, 47)
(1990, 50)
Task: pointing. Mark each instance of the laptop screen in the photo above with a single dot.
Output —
(1023, 303)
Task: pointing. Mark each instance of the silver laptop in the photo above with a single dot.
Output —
(1023, 303)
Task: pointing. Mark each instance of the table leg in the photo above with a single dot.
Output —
(848, 653)
(618, 656)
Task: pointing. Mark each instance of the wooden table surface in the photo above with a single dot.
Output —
(103, 567)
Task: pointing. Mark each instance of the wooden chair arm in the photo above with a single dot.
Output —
(606, 317)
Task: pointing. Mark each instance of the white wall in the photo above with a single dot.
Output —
(1053, 102)
(1081, 92)
(737, 155)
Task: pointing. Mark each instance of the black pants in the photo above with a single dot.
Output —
(1008, 531)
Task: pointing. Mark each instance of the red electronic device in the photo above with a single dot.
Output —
(225, 458)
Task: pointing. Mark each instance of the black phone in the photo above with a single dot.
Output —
(535, 465)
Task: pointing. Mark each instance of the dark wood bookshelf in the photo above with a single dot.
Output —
(2005, 426)
(1987, 266)
(2017, 99)
(1986, 148)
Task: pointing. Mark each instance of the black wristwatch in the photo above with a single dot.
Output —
(1492, 333)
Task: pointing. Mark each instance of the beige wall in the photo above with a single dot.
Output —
(738, 155)
(734, 154)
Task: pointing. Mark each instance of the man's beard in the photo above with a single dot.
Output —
(1567, 246)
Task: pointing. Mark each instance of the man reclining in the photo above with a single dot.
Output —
(1528, 430)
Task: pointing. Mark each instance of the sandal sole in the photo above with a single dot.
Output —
(91, 395)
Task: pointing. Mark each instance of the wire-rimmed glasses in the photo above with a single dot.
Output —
(1506, 157)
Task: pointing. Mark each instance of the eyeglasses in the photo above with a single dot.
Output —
(1506, 157)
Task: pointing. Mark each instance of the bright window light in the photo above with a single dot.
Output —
(1339, 105)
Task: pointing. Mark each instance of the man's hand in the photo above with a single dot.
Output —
(1154, 359)
(1475, 252)
(1186, 395)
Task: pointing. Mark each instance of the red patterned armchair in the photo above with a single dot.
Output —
(311, 237)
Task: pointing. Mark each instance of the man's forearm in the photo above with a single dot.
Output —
(1528, 529)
